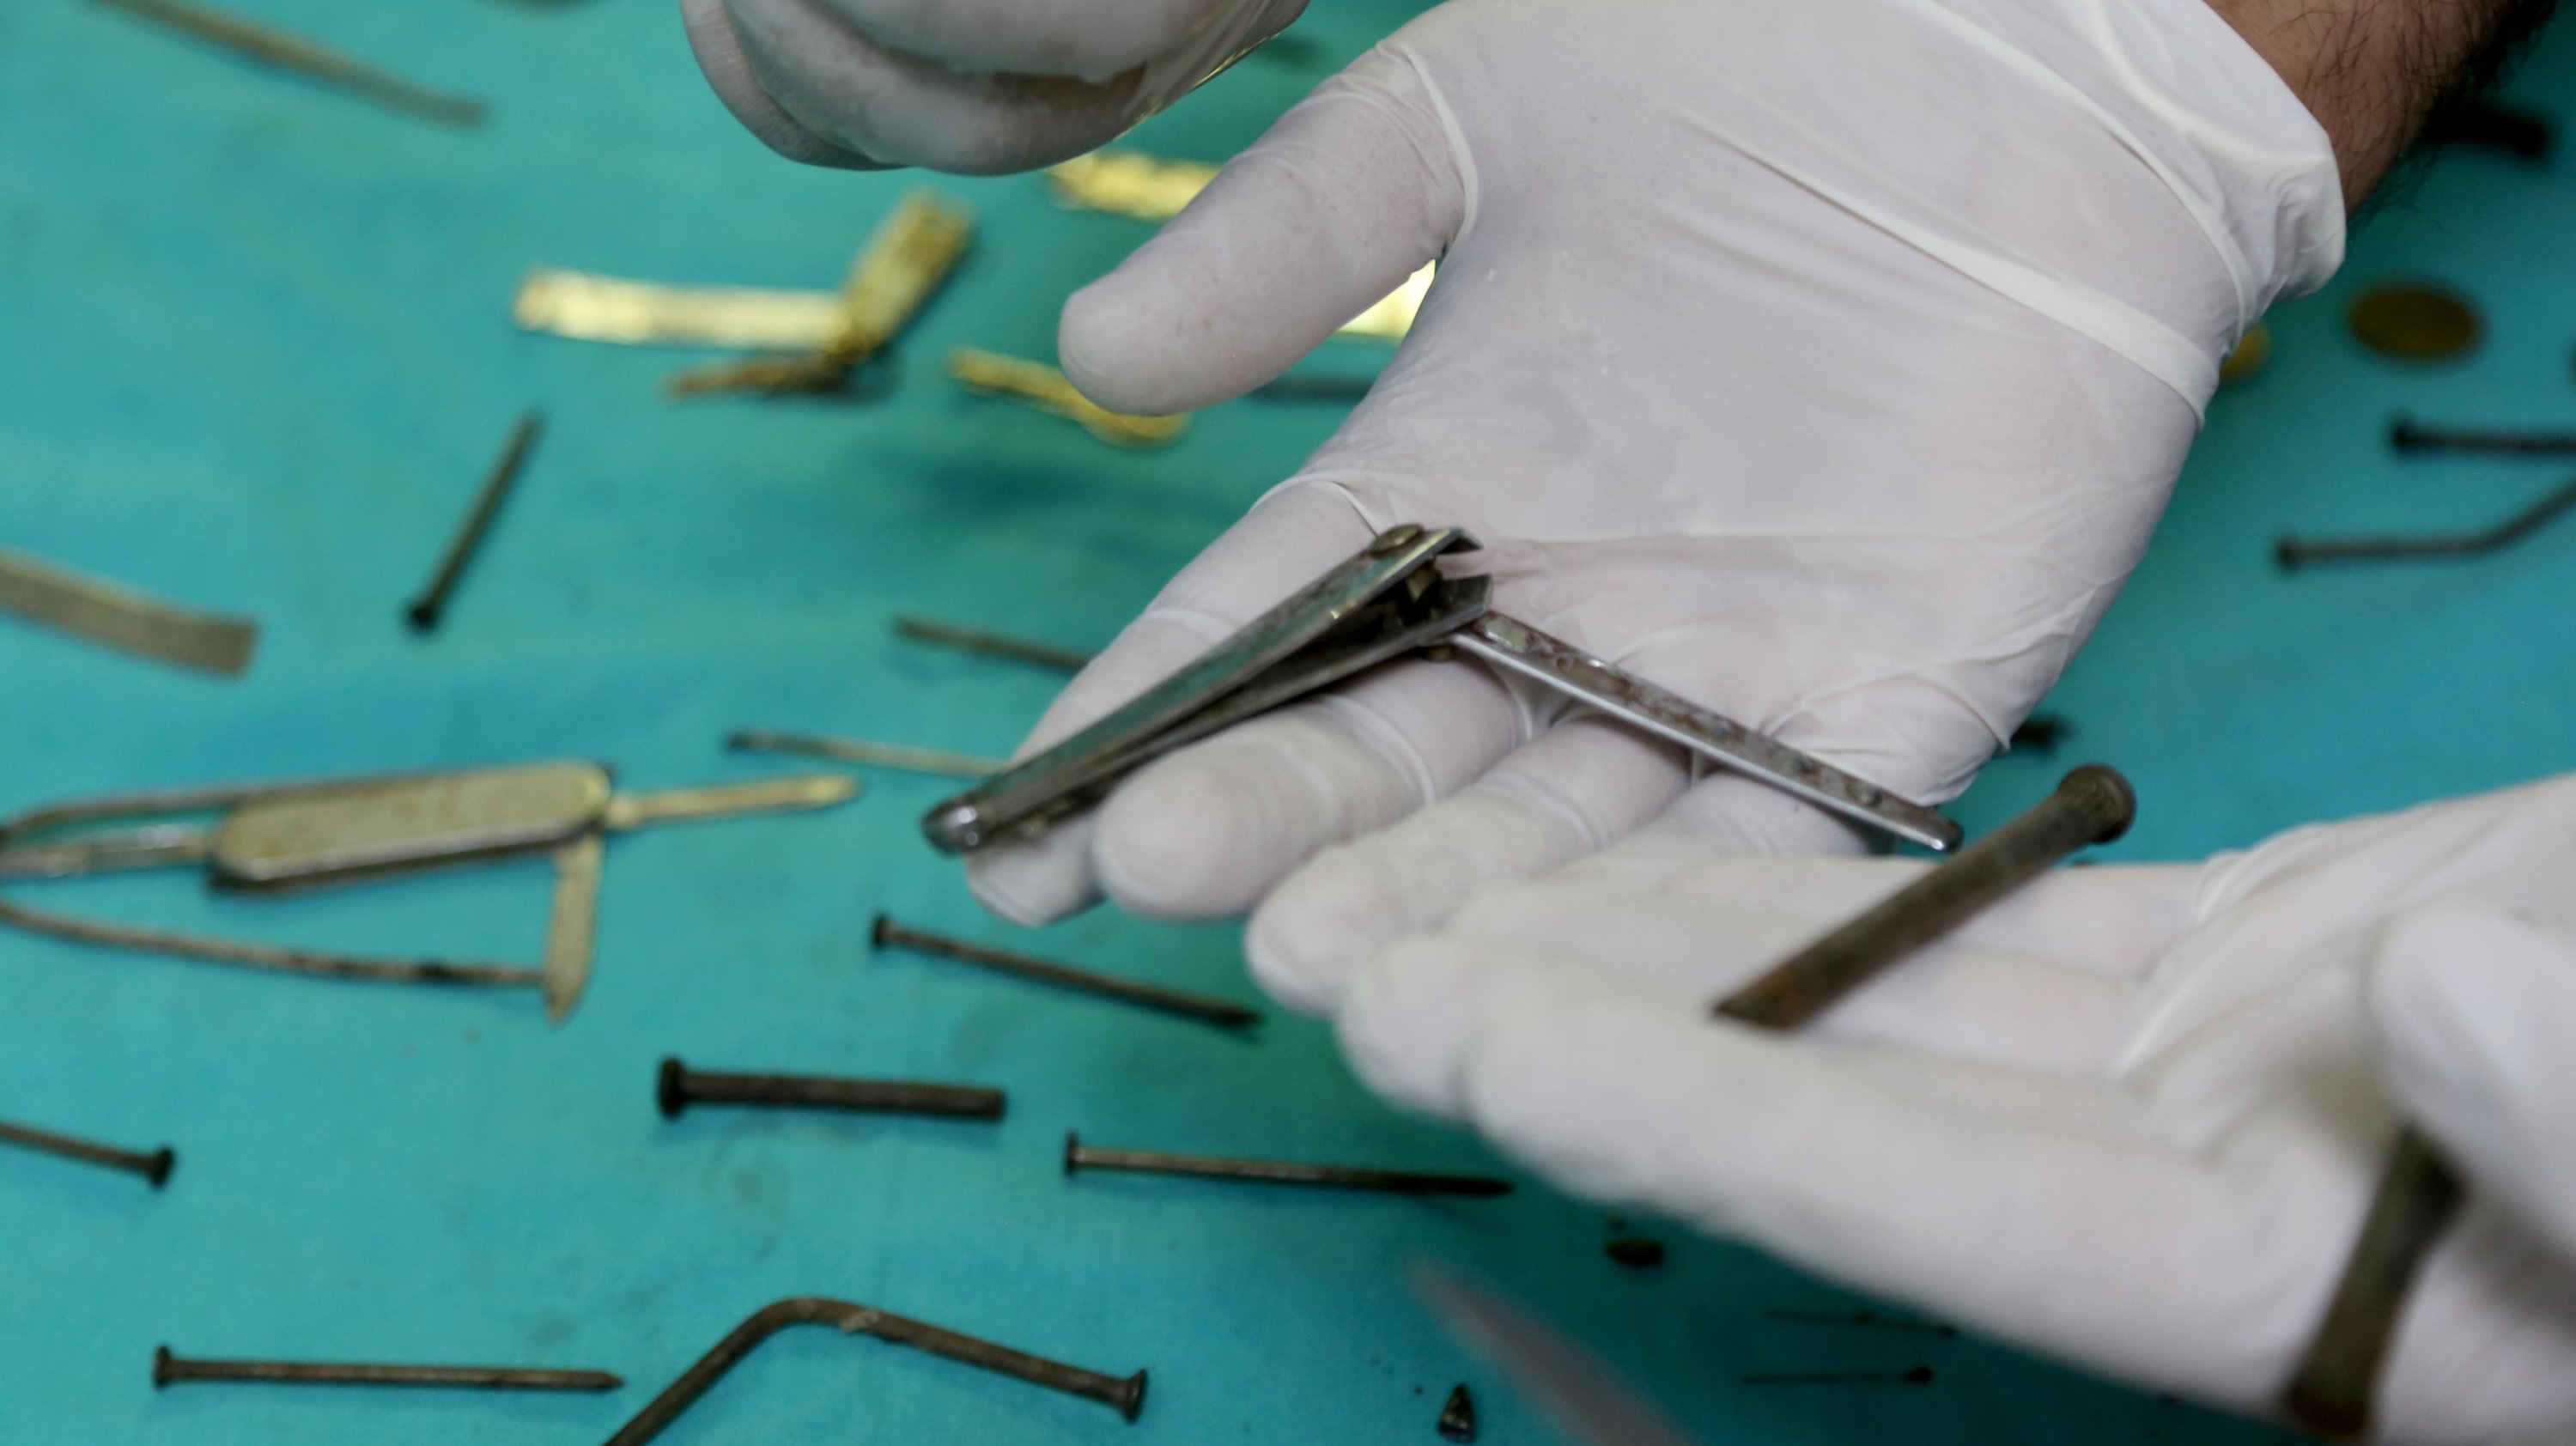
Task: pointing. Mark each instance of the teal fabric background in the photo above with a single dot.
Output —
(255, 350)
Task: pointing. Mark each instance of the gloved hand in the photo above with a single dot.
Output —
(2132, 1116)
(978, 87)
(1825, 361)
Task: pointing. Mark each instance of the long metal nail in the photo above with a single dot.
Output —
(267, 956)
(1868, 1319)
(2295, 552)
(306, 58)
(168, 1367)
(155, 1166)
(1127, 1394)
(2406, 435)
(678, 1087)
(1079, 1156)
(2092, 804)
(426, 609)
(861, 750)
(1918, 1376)
(1315, 388)
(2331, 1391)
(991, 645)
(888, 934)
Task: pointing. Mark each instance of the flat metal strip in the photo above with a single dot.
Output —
(152, 846)
(1515, 645)
(730, 800)
(572, 925)
(106, 613)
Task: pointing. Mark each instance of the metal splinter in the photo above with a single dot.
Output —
(1126, 1393)
(2092, 805)
(676, 1087)
(154, 1166)
(1079, 1157)
(168, 1368)
(886, 933)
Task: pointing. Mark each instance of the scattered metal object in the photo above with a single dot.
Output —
(2252, 352)
(105, 613)
(2488, 126)
(1637, 1252)
(1038, 385)
(1582, 1393)
(676, 1087)
(1864, 1319)
(2041, 733)
(306, 58)
(1315, 388)
(425, 610)
(1079, 1157)
(991, 645)
(1388, 600)
(155, 1166)
(168, 1368)
(1457, 1415)
(912, 252)
(2414, 321)
(1917, 1376)
(2294, 552)
(587, 307)
(861, 750)
(2407, 435)
(1153, 188)
(320, 831)
(1126, 1394)
(2092, 804)
(887, 934)
(2331, 1392)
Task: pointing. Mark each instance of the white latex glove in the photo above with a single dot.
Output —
(978, 87)
(2131, 1116)
(1825, 361)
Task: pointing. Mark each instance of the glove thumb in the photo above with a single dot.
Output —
(2475, 1013)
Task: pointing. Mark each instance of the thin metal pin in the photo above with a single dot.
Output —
(1127, 1394)
(2294, 552)
(2092, 804)
(677, 1087)
(2406, 435)
(1917, 1376)
(2331, 1392)
(1867, 1319)
(861, 750)
(168, 1367)
(991, 645)
(155, 1166)
(425, 610)
(267, 956)
(886, 933)
(306, 58)
(1315, 388)
(1079, 1157)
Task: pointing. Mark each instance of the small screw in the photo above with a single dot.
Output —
(425, 610)
(167, 1367)
(1918, 1376)
(677, 1087)
(886, 933)
(155, 1166)
(1079, 1156)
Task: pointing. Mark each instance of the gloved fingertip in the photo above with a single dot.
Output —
(1406, 1021)
(1036, 883)
(1307, 940)
(1181, 840)
(2446, 991)
(1121, 349)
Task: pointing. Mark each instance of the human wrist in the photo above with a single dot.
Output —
(2370, 71)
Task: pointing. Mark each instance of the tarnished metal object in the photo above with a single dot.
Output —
(2331, 1392)
(2415, 321)
(1079, 1157)
(676, 1087)
(105, 613)
(2092, 804)
(1126, 1394)
(2294, 552)
(154, 1166)
(306, 58)
(308, 838)
(887, 934)
(2408, 435)
(424, 611)
(169, 1368)
(1387, 600)
(861, 750)
(795, 793)
(572, 923)
(1041, 386)
(1457, 1416)
(586, 307)
(990, 644)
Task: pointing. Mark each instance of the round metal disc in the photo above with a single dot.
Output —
(2414, 321)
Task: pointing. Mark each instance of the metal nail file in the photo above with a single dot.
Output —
(1384, 602)
(105, 613)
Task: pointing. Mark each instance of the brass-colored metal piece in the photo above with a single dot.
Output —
(310, 838)
(572, 923)
(912, 252)
(105, 613)
(1043, 387)
(2415, 321)
(795, 793)
(2330, 1393)
(306, 58)
(1142, 187)
(860, 750)
(586, 307)
(2251, 352)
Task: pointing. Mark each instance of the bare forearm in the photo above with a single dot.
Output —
(2371, 70)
